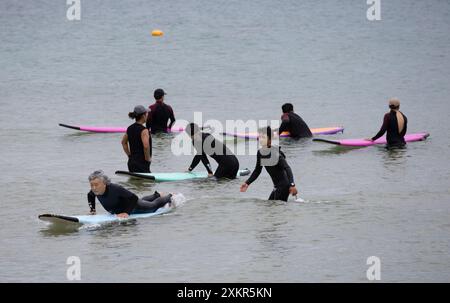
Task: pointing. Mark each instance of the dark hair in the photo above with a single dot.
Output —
(393, 106)
(287, 107)
(192, 129)
(266, 130)
(133, 115)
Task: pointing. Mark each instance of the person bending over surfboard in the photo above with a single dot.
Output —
(159, 114)
(137, 142)
(293, 123)
(119, 201)
(274, 160)
(395, 124)
(205, 144)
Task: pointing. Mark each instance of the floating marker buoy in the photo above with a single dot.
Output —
(157, 33)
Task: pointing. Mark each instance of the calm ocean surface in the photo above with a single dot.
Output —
(229, 60)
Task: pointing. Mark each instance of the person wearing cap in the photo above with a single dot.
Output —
(293, 123)
(274, 160)
(394, 124)
(159, 114)
(137, 142)
(205, 144)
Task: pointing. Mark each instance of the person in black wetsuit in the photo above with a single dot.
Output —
(293, 123)
(159, 114)
(395, 124)
(205, 144)
(137, 142)
(273, 159)
(119, 201)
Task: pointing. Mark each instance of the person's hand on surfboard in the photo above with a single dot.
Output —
(122, 215)
(210, 175)
(293, 190)
(244, 187)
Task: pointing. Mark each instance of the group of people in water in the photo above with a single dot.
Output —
(159, 117)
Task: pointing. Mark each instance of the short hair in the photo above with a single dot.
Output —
(287, 107)
(99, 174)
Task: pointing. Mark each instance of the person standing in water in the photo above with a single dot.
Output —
(159, 114)
(394, 124)
(137, 142)
(205, 144)
(119, 201)
(293, 123)
(274, 160)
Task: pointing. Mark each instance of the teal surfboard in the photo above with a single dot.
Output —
(99, 219)
(163, 177)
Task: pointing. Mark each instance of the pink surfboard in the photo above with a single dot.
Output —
(102, 129)
(314, 131)
(382, 140)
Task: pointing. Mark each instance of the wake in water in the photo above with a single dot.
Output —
(178, 199)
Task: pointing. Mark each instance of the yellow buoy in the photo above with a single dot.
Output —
(157, 33)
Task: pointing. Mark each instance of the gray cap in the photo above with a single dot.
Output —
(139, 109)
(394, 102)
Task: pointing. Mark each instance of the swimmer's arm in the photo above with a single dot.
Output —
(125, 147)
(145, 137)
(284, 124)
(91, 202)
(171, 117)
(195, 162)
(288, 170)
(383, 128)
(257, 171)
(149, 119)
(205, 161)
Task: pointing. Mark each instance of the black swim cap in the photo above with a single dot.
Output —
(159, 93)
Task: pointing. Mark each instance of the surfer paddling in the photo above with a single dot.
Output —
(119, 201)
(273, 159)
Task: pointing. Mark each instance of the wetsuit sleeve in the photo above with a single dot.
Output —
(206, 163)
(405, 127)
(286, 167)
(383, 127)
(150, 142)
(91, 200)
(284, 124)
(149, 118)
(204, 160)
(201, 156)
(171, 117)
(128, 201)
(257, 171)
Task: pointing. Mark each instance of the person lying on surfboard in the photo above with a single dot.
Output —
(205, 144)
(274, 160)
(293, 123)
(119, 201)
(159, 114)
(137, 142)
(395, 124)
